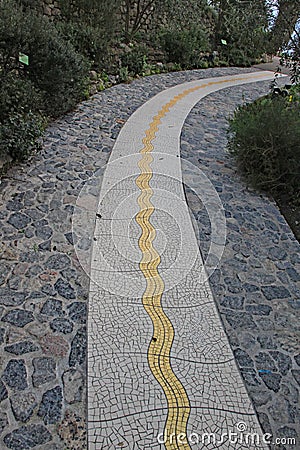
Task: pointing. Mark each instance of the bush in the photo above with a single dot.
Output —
(18, 95)
(19, 134)
(21, 124)
(265, 139)
(237, 57)
(184, 47)
(55, 68)
(12, 35)
(135, 60)
(91, 27)
(51, 84)
(86, 40)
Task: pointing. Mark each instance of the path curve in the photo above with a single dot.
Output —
(43, 288)
(211, 397)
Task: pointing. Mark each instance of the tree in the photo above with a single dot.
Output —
(242, 26)
(288, 13)
(186, 14)
(136, 15)
(182, 14)
(284, 34)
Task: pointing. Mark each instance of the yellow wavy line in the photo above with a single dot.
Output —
(163, 332)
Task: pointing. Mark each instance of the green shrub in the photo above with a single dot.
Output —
(87, 40)
(184, 47)
(90, 41)
(18, 95)
(123, 75)
(91, 27)
(55, 68)
(13, 35)
(21, 124)
(19, 133)
(237, 57)
(265, 139)
(135, 60)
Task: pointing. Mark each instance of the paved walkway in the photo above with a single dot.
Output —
(146, 360)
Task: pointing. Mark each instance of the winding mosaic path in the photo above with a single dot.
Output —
(44, 285)
(195, 388)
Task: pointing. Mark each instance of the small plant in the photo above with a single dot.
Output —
(123, 74)
(87, 40)
(21, 123)
(55, 68)
(238, 57)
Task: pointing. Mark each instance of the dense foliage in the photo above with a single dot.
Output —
(265, 139)
(90, 27)
(185, 47)
(120, 39)
(52, 82)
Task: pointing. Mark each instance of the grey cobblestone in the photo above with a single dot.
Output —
(23, 406)
(21, 347)
(51, 406)
(27, 437)
(15, 374)
(3, 422)
(44, 370)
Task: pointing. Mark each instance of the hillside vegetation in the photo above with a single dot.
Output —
(50, 63)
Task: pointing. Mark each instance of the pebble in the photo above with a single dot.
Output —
(78, 312)
(18, 317)
(21, 347)
(54, 345)
(52, 308)
(58, 262)
(78, 348)
(61, 326)
(10, 298)
(19, 220)
(3, 421)
(3, 391)
(272, 381)
(275, 292)
(64, 289)
(73, 385)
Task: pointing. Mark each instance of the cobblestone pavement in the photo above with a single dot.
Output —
(43, 289)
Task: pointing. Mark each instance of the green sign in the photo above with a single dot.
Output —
(24, 59)
(224, 42)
